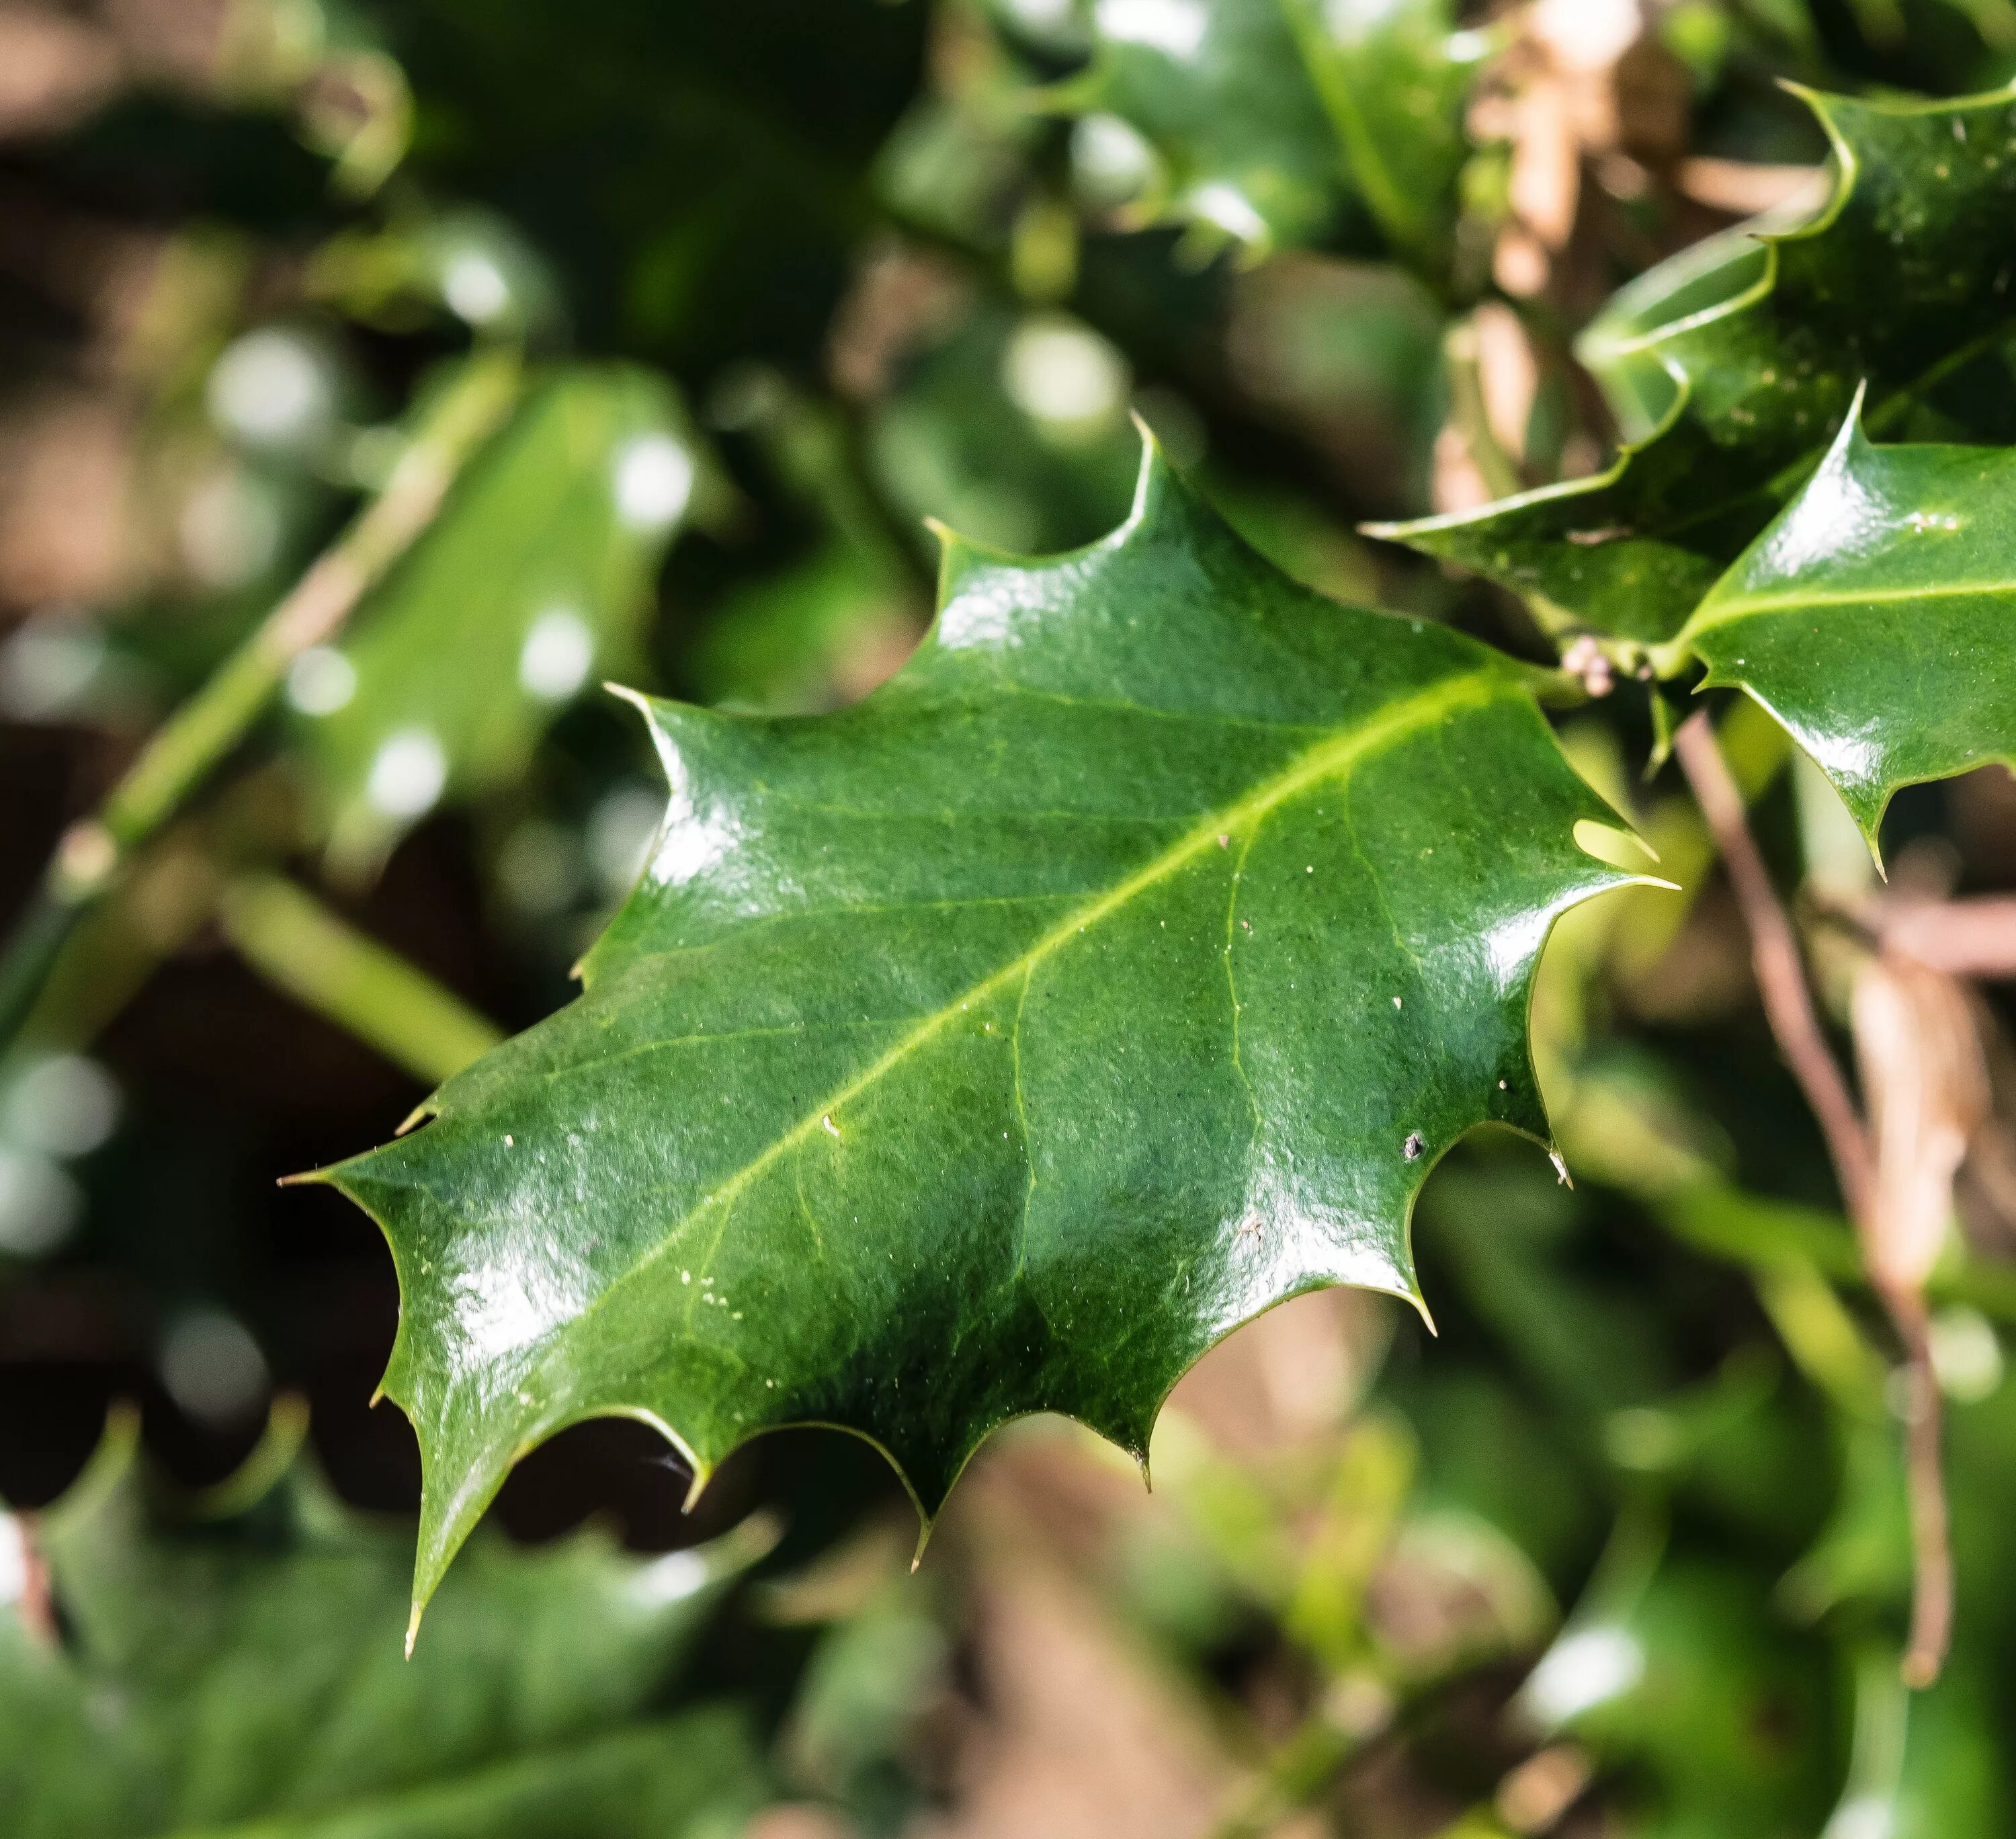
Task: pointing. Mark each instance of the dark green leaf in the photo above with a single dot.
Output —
(1877, 618)
(535, 578)
(1701, 1689)
(1395, 82)
(1220, 91)
(1118, 969)
(247, 1666)
(1910, 270)
(1272, 118)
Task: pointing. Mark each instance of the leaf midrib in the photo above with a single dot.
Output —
(1732, 612)
(1478, 687)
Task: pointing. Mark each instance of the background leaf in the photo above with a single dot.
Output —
(535, 581)
(244, 1665)
(1280, 122)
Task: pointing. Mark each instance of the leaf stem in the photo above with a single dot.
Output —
(296, 943)
(1788, 1006)
(185, 750)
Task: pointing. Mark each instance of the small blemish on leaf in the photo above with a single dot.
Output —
(1412, 1148)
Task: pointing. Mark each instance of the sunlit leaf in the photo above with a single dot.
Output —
(1119, 968)
(1877, 618)
(1909, 271)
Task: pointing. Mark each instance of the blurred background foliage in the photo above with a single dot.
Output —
(762, 288)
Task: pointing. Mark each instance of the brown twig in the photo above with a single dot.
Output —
(1781, 973)
(1931, 1542)
(1974, 937)
(1788, 1006)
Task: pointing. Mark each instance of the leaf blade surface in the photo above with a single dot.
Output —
(1118, 970)
(1876, 618)
(1910, 268)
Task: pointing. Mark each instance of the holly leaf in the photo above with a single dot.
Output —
(209, 1669)
(1876, 619)
(536, 576)
(1908, 271)
(1119, 968)
(1273, 120)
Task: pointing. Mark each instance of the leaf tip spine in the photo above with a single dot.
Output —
(623, 693)
(1154, 464)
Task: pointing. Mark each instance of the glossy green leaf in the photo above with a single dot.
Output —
(1274, 120)
(1877, 618)
(1119, 968)
(532, 583)
(1910, 271)
(241, 1670)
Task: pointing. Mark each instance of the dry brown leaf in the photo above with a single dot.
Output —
(1294, 1373)
(65, 464)
(1082, 1737)
(1745, 188)
(55, 70)
(1509, 372)
(796, 1821)
(902, 297)
(1925, 1085)
(172, 41)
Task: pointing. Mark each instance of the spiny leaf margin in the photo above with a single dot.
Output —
(1760, 377)
(1491, 790)
(1852, 622)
